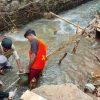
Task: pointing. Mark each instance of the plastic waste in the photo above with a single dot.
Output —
(89, 88)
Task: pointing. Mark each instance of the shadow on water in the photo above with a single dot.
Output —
(71, 67)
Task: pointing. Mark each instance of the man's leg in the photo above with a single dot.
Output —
(34, 76)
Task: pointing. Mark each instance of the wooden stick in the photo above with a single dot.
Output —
(66, 20)
(71, 39)
(11, 21)
(96, 76)
(65, 54)
(75, 47)
(74, 51)
(12, 84)
(63, 48)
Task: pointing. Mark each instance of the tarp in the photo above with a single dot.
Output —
(98, 7)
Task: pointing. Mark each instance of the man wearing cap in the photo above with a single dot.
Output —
(6, 50)
(37, 55)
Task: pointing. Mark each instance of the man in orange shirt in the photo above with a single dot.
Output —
(37, 55)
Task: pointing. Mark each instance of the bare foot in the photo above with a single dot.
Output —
(1, 72)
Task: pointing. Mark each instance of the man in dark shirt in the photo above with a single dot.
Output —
(37, 54)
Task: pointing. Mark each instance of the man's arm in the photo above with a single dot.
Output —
(19, 65)
(32, 59)
(16, 56)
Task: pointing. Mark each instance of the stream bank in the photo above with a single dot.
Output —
(73, 68)
(34, 10)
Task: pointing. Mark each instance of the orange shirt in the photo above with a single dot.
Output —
(40, 59)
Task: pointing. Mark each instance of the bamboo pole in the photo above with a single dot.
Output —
(63, 48)
(76, 46)
(69, 22)
(71, 39)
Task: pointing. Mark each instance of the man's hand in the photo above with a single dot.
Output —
(21, 70)
(27, 70)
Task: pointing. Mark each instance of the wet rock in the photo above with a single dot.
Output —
(35, 10)
(2, 5)
(14, 5)
(61, 92)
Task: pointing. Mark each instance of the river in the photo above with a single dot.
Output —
(54, 32)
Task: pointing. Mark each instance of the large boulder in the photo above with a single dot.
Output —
(61, 92)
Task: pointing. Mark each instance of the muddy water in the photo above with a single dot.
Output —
(74, 68)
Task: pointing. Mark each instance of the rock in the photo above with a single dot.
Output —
(12, 5)
(98, 92)
(1, 85)
(35, 10)
(28, 95)
(7, 8)
(61, 92)
(3, 1)
(2, 7)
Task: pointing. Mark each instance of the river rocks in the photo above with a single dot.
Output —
(12, 6)
(2, 5)
(61, 92)
(34, 10)
(9, 5)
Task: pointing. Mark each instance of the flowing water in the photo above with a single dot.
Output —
(54, 32)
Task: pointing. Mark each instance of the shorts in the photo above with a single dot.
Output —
(35, 73)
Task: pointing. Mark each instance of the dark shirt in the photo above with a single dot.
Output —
(34, 46)
(3, 95)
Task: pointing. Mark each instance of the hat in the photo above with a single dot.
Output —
(6, 43)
